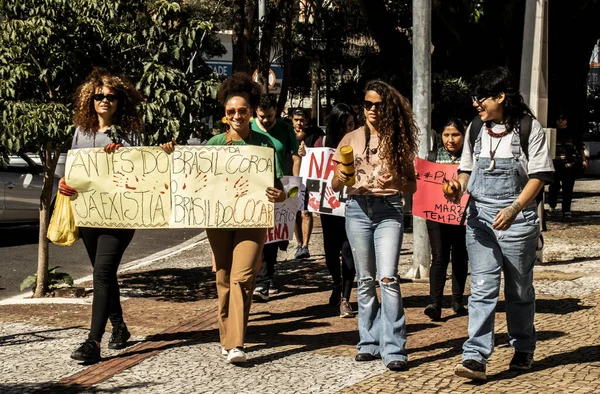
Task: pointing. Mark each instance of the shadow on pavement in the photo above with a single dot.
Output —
(170, 284)
(566, 262)
(454, 347)
(45, 388)
(561, 306)
(21, 338)
(583, 218)
(582, 355)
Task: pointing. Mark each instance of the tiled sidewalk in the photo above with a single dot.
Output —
(296, 343)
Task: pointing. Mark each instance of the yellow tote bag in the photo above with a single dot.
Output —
(62, 229)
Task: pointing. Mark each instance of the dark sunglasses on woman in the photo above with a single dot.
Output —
(110, 97)
(369, 104)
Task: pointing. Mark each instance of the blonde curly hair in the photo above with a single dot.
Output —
(126, 116)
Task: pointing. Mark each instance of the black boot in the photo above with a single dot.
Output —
(119, 337)
(88, 352)
(459, 308)
(433, 311)
(336, 295)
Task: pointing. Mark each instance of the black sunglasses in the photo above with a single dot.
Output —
(369, 104)
(110, 97)
(479, 101)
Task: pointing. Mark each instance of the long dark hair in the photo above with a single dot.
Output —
(492, 82)
(336, 124)
(397, 129)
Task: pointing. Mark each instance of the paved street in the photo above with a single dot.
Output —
(297, 344)
(19, 250)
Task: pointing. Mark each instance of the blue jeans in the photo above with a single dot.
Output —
(374, 225)
(493, 251)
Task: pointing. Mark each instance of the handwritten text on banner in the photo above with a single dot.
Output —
(429, 201)
(199, 186)
(285, 212)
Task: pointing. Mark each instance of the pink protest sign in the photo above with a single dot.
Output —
(429, 201)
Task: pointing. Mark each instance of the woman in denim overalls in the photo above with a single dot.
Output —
(502, 223)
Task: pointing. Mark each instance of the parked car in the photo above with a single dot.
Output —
(21, 182)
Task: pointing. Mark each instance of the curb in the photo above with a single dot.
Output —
(23, 299)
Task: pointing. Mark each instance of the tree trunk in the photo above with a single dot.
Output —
(314, 90)
(243, 16)
(49, 160)
(287, 47)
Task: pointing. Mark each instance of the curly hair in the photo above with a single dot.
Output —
(240, 84)
(126, 116)
(398, 132)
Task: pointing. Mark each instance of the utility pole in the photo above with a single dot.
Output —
(421, 72)
(534, 79)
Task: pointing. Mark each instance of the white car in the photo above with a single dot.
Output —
(21, 182)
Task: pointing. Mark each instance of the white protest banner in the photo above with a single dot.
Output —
(222, 187)
(195, 186)
(285, 212)
(125, 189)
(317, 171)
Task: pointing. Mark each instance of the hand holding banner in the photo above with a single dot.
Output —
(429, 201)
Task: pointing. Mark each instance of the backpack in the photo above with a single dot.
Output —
(524, 132)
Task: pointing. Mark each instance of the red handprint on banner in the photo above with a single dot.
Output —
(313, 202)
(331, 198)
(241, 187)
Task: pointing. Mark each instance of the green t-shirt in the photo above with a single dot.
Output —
(257, 139)
(285, 142)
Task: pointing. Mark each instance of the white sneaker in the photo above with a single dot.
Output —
(236, 356)
(224, 351)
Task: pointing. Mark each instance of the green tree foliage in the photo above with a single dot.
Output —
(48, 47)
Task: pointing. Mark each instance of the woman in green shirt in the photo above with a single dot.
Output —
(237, 252)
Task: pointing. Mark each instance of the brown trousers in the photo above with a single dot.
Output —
(238, 260)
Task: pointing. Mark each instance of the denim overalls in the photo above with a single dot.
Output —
(492, 251)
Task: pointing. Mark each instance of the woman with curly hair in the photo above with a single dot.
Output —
(384, 150)
(105, 116)
(238, 252)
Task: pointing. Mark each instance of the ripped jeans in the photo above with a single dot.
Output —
(374, 225)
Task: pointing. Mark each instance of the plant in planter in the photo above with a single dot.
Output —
(55, 279)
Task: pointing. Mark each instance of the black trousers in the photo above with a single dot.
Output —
(105, 248)
(447, 241)
(335, 242)
(267, 270)
(565, 178)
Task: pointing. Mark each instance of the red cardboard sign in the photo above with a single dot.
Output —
(429, 201)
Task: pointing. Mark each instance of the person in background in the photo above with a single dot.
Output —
(446, 239)
(384, 151)
(304, 218)
(335, 240)
(237, 252)
(286, 148)
(106, 116)
(503, 228)
(569, 161)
